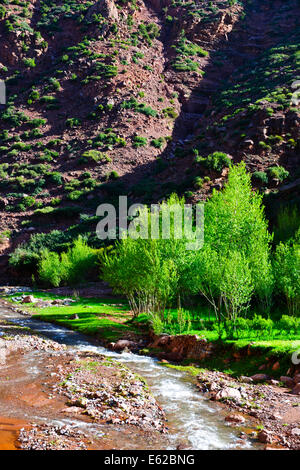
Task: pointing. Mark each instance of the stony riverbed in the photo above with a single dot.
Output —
(79, 389)
(76, 386)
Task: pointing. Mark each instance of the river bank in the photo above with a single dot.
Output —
(51, 394)
(257, 403)
(193, 421)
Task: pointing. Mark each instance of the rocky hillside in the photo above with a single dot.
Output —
(142, 98)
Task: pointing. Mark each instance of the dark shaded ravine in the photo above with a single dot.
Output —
(192, 419)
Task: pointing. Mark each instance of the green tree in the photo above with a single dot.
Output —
(50, 268)
(235, 229)
(236, 284)
(235, 220)
(287, 272)
(150, 271)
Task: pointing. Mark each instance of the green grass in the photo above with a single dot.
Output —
(110, 319)
(104, 318)
(274, 347)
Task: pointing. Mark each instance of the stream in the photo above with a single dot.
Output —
(192, 419)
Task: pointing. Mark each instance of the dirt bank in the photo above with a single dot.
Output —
(275, 409)
(43, 381)
(100, 390)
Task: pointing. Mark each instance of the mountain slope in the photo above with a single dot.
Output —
(133, 97)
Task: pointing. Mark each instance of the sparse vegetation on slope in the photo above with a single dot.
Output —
(113, 97)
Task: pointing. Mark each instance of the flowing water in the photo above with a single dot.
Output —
(192, 419)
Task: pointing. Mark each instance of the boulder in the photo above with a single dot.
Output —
(296, 389)
(163, 340)
(246, 380)
(235, 418)
(275, 416)
(264, 436)
(106, 8)
(3, 202)
(74, 316)
(274, 382)
(228, 393)
(29, 299)
(124, 344)
(295, 432)
(260, 378)
(287, 381)
(276, 366)
(72, 409)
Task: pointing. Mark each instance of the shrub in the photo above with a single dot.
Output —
(24, 259)
(109, 139)
(156, 323)
(170, 112)
(265, 146)
(70, 267)
(157, 143)
(26, 256)
(139, 141)
(107, 70)
(33, 96)
(188, 48)
(93, 155)
(80, 259)
(138, 107)
(30, 63)
(38, 122)
(48, 99)
(112, 175)
(56, 178)
(261, 177)
(148, 32)
(217, 161)
(278, 173)
(73, 122)
(2, 12)
(185, 65)
(264, 325)
(51, 270)
(289, 324)
(198, 182)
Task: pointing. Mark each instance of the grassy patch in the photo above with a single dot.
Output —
(104, 318)
(110, 319)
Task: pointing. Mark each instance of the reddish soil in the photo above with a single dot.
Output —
(231, 35)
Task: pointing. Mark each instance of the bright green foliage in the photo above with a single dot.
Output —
(217, 161)
(233, 264)
(261, 177)
(234, 219)
(73, 122)
(149, 272)
(287, 271)
(236, 284)
(92, 155)
(158, 143)
(70, 267)
(50, 269)
(139, 141)
(188, 48)
(2, 12)
(278, 173)
(139, 107)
